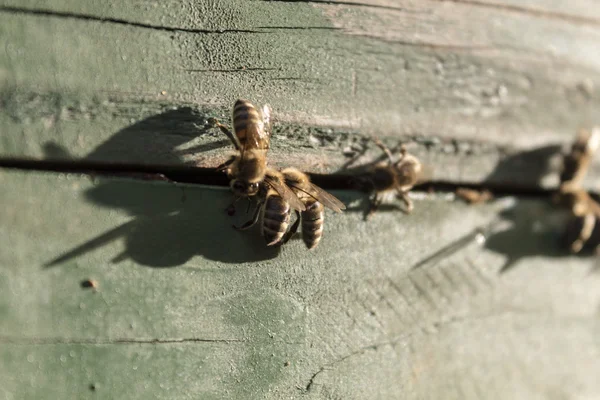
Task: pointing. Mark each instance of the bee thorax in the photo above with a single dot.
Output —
(252, 169)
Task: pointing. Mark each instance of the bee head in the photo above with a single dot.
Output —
(244, 189)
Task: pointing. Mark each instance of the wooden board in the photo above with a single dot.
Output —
(473, 86)
(186, 307)
(453, 302)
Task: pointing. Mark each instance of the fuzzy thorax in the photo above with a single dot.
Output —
(251, 167)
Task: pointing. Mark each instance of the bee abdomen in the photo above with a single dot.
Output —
(312, 223)
(244, 115)
(382, 179)
(276, 219)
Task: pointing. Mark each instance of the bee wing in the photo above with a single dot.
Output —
(258, 137)
(326, 198)
(266, 117)
(285, 192)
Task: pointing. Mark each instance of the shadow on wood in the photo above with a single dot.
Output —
(168, 229)
(162, 134)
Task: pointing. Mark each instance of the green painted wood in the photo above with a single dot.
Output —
(403, 306)
(472, 85)
(412, 306)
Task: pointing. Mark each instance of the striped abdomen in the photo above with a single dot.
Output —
(312, 223)
(248, 126)
(276, 219)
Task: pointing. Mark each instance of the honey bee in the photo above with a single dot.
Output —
(314, 199)
(251, 177)
(583, 229)
(577, 161)
(392, 176)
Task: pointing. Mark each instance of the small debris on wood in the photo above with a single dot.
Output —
(473, 196)
(89, 284)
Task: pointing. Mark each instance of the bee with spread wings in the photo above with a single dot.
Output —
(250, 176)
(314, 198)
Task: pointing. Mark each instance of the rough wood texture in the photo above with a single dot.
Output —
(415, 307)
(471, 84)
(377, 311)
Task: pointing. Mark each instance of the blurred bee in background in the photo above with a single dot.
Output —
(392, 177)
(251, 177)
(314, 199)
(583, 228)
(577, 161)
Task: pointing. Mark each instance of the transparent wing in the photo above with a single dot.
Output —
(266, 117)
(326, 198)
(285, 192)
(257, 137)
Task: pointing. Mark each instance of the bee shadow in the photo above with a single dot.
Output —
(536, 226)
(168, 138)
(531, 227)
(171, 223)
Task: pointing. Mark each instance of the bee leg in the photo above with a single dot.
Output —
(375, 203)
(589, 221)
(408, 203)
(293, 229)
(402, 152)
(234, 140)
(252, 222)
(387, 151)
(226, 164)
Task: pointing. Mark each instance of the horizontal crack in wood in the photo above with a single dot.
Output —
(119, 21)
(209, 176)
(108, 341)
